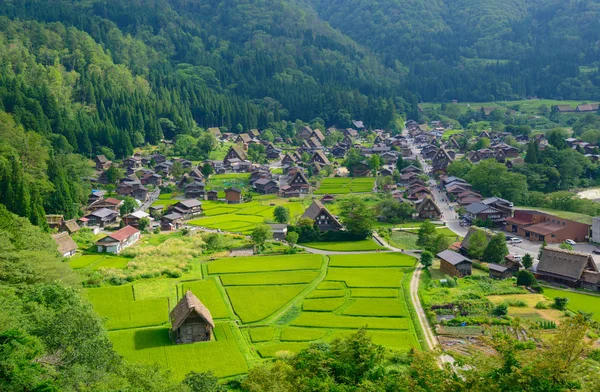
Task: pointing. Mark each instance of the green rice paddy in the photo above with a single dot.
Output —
(344, 185)
(262, 305)
(346, 246)
(577, 301)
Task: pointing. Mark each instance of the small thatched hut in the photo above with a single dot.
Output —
(191, 321)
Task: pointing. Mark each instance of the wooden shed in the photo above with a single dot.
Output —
(191, 321)
(454, 264)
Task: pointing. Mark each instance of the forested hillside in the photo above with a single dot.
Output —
(480, 50)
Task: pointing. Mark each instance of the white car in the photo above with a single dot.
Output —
(571, 242)
(515, 240)
(516, 257)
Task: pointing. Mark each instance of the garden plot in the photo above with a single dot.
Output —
(152, 345)
(366, 277)
(269, 278)
(254, 303)
(232, 265)
(388, 259)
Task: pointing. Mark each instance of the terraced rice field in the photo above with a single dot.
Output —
(346, 246)
(152, 345)
(263, 305)
(344, 185)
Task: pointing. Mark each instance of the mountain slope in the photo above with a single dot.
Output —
(480, 49)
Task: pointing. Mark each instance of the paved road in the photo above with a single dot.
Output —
(151, 198)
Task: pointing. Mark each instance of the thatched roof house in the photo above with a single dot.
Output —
(191, 321)
(66, 245)
(569, 268)
(323, 218)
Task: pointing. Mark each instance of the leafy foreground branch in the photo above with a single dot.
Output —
(356, 364)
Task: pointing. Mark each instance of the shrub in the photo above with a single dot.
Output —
(156, 230)
(541, 305)
(516, 303)
(560, 303)
(537, 288)
(175, 273)
(525, 278)
(595, 355)
(500, 310)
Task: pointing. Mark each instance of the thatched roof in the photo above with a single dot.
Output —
(472, 229)
(565, 264)
(315, 209)
(71, 226)
(188, 304)
(65, 243)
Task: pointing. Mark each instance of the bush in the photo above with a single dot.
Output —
(525, 278)
(156, 230)
(175, 273)
(537, 288)
(541, 305)
(595, 355)
(516, 303)
(560, 303)
(500, 310)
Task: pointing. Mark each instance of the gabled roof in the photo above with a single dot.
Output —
(427, 201)
(123, 233)
(453, 257)
(245, 137)
(172, 216)
(233, 189)
(478, 208)
(317, 133)
(102, 159)
(240, 152)
(189, 304)
(102, 213)
(65, 243)
(565, 264)
(315, 209)
(72, 226)
(190, 203)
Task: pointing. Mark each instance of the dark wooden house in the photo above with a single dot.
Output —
(191, 321)
(233, 195)
(455, 264)
(427, 209)
(324, 220)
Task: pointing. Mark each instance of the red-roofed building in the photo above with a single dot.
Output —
(539, 226)
(119, 240)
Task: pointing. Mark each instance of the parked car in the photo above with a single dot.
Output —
(571, 242)
(507, 237)
(516, 257)
(515, 240)
(596, 251)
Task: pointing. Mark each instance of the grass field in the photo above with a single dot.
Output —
(577, 301)
(344, 185)
(404, 240)
(346, 246)
(372, 260)
(152, 345)
(254, 303)
(272, 349)
(366, 277)
(327, 293)
(231, 265)
(394, 339)
(97, 261)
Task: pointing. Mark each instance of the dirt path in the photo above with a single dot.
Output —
(430, 338)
